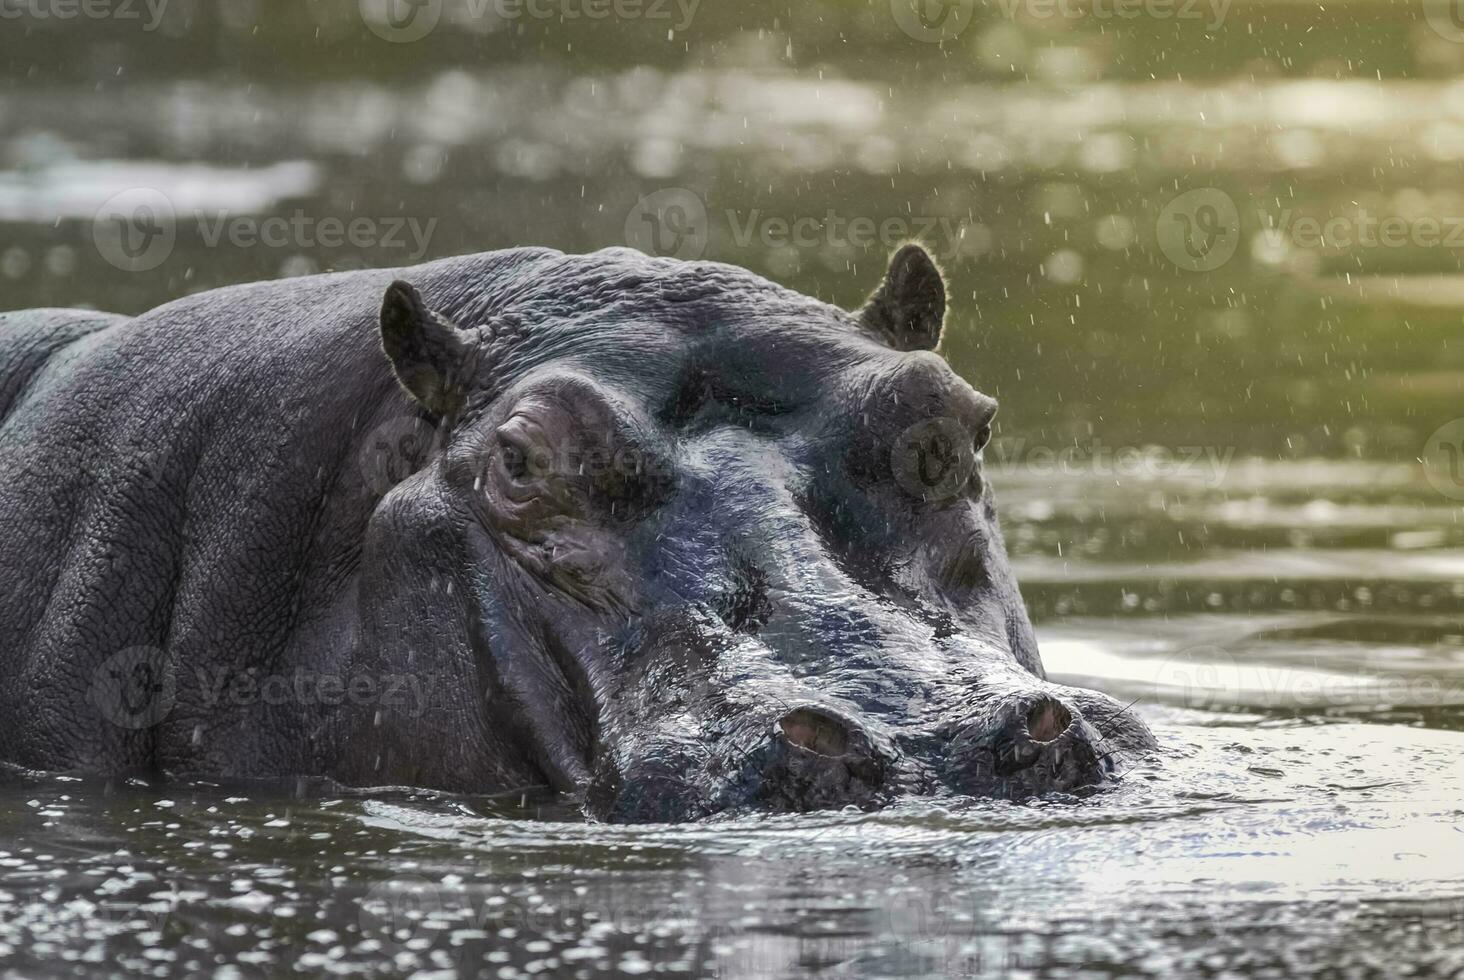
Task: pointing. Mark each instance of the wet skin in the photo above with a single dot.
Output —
(662, 534)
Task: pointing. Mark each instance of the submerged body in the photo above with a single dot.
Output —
(660, 533)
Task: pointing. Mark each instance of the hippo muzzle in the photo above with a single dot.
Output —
(708, 720)
(813, 757)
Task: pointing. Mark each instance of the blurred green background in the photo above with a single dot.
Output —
(1035, 146)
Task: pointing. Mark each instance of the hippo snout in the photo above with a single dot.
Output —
(818, 759)
(1028, 747)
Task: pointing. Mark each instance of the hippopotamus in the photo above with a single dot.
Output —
(660, 534)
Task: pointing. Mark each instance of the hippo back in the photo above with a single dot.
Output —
(189, 485)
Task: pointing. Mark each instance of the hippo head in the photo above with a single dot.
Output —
(731, 547)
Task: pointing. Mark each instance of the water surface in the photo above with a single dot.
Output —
(1301, 818)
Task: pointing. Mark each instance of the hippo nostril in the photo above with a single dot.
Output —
(818, 759)
(1028, 748)
(815, 732)
(1047, 719)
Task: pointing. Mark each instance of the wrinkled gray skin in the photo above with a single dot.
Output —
(662, 534)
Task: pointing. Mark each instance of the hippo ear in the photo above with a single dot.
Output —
(425, 350)
(908, 308)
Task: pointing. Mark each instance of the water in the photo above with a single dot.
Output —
(1301, 819)
(1287, 850)
(1225, 489)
